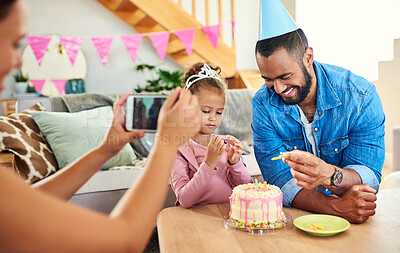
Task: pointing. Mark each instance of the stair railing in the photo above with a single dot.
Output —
(220, 15)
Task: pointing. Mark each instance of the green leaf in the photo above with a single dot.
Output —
(143, 67)
(167, 80)
(19, 77)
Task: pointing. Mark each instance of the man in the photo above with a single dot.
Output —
(330, 120)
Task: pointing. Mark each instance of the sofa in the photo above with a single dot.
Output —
(106, 187)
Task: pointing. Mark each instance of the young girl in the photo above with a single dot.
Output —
(207, 167)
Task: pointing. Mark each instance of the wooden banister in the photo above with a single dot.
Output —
(233, 15)
(220, 19)
(149, 16)
(194, 8)
(207, 12)
(220, 16)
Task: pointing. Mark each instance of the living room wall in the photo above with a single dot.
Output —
(389, 79)
(89, 18)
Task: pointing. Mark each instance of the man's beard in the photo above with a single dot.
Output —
(302, 92)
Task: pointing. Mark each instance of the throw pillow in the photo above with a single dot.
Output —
(71, 135)
(20, 135)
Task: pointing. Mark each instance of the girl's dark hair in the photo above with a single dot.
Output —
(205, 83)
(5, 6)
(294, 42)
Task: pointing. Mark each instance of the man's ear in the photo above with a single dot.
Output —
(308, 57)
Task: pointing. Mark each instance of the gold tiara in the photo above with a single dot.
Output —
(205, 72)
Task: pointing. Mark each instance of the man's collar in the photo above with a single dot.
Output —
(326, 96)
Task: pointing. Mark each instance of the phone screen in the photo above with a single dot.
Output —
(145, 112)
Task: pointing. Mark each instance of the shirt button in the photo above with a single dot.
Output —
(295, 147)
(336, 149)
(316, 129)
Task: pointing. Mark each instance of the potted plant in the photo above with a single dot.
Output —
(21, 82)
(165, 80)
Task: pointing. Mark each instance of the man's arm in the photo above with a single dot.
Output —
(356, 205)
(267, 144)
(310, 171)
(366, 151)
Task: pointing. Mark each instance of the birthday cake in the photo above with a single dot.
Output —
(256, 206)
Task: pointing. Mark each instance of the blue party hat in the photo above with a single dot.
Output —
(275, 20)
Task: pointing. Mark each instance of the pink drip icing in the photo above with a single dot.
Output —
(262, 210)
(277, 200)
(247, 203)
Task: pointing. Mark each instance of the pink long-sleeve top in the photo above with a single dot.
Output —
(195, 183)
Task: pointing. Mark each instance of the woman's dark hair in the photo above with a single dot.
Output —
(206, 83)
(294, 42)
(5, 6)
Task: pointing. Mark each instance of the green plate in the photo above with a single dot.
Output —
(332, 224)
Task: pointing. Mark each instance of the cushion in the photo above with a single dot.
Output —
(71, 135)
(20, 135)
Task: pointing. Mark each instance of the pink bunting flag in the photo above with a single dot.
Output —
(160, 42)
(38, 84)
(186, 37)
(60, 85)
(212, 33)
(234, 29)
(39, 46)
(103, 46)
(72, 45)
(132, 44)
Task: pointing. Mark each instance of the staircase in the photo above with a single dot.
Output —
(250, 79)
(148, 16)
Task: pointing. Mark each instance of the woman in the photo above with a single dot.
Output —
(39, 219)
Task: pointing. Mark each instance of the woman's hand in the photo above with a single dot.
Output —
(117, 137)
(215, 150)
(234, 150)
(178, 120)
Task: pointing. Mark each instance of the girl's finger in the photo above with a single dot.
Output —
(214, 139)
(220, 143)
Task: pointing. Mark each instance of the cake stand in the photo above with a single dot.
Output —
(228, 225)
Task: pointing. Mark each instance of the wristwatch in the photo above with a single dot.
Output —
(337, 178)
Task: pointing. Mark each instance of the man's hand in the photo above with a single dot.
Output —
(357, 204)
(308, 170)
(234, 150)
(215, 150)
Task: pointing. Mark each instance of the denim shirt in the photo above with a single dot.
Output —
(348, 128)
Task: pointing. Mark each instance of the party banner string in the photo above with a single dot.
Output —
(102, 44)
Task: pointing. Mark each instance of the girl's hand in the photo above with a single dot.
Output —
(117, 137)
(234, 150)
(178, 120)
(215, 150)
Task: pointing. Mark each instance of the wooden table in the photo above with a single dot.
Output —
(200, 229)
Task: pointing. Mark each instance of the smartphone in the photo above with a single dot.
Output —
(142, 112)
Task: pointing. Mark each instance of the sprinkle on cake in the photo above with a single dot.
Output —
(261, 208)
